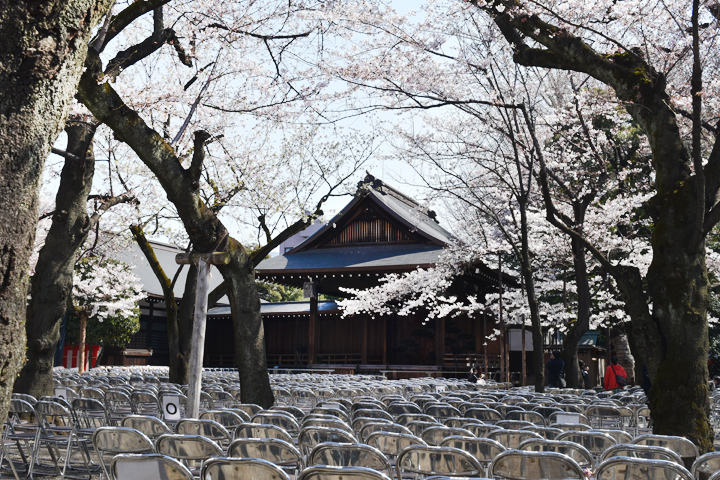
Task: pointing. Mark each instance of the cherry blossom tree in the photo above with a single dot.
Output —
(645, 55)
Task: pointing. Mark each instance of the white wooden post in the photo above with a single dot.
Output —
(203, 262)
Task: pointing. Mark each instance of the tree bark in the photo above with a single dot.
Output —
(51, 285)
(536, 327)
(573, 375)
(44, 46)
(206, 231)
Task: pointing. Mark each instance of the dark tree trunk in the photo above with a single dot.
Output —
(206, 231)
(44, 45)
(185, 326)
(536, 327)
(573, 375)
(51, 285)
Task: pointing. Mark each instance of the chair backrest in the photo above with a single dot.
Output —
(627, 467)
(435, 434)
(642, 451)
(705, 466)
(54, 416)
(90, 412)
(687, 450)
(311, 436)
(620, 436)
(249, 408)
(187, 447)
(391, 443)
(273, 450)
(324, 472)
(573, 450)
(487, 415)
(151, 426)
(532, 417)
(24, 396)
(283, 420)
(121, 440)
(259, 430)
(548, 433)
(330, 423)
(226, 418)
(483, 449)
(207, 428)
(480, 430)
(399, 408)
(426, 460)
(370, 428)
(224, 468)
(441, 412)
(512, 438)
(145, 402)
(148, 467)
(595, 442)
(372, 413)
(524, 465)
(348, 455)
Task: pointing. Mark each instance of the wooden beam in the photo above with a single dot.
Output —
(312, 331)
(364, 354)
(440, 341)
(384, 339)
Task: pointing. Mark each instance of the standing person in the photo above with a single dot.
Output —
(472, 377)
(615, 376)
(555, 369)
(585, 371)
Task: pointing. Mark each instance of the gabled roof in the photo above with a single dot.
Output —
(404, 212)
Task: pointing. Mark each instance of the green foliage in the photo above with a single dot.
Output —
(271, 292)
(113, 332)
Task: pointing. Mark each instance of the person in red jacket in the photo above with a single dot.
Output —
(611, 373)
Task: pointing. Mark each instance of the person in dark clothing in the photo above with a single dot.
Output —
(473, 377)
(555, 369)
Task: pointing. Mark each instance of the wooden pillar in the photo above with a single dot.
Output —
(524, 355)
(384, 339)
(500, 321)
(440, 342)
(364, 353)
(312, 330)
(485, 359)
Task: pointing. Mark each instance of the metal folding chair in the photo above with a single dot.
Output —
(57, 430)
(274, 450)
(483, 449)
(349, 455)
(642, 451)
(435, 434)
(206, 428)
(687, 450)
(311, 436)
(116, 440)
(428, 460)
(573, 450)
(640, 469)
(524, 465)
(341, 473)
(259, 430)
(240, 468)
(512, 438)
(152, 427)
(190, 449)
(148, 467)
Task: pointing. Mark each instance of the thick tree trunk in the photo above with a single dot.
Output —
(44, 45)
(51, 286)
(573, 375)
(536, 327)
(678, 284)
(185, 326)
